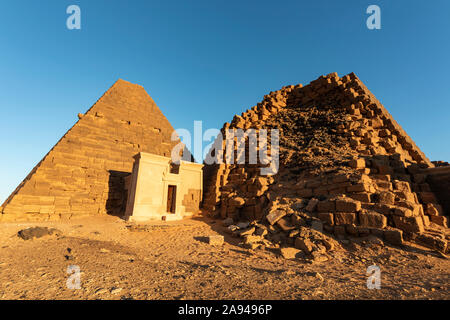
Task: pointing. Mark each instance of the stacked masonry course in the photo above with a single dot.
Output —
(347, 169)
(83, 174)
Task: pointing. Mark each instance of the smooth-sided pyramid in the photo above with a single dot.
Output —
(347, 169)
(84, 172)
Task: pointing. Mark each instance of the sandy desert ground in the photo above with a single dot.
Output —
(172, 260)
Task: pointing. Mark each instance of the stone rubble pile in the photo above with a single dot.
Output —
(347, 169)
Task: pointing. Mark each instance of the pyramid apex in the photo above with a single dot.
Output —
(121, 81)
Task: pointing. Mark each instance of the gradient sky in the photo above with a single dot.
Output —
(208, 60)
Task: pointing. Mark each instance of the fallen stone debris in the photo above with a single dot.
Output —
(347, 170)
(37, 232)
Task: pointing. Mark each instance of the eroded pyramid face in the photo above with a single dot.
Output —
(83, 173)
(345, 167)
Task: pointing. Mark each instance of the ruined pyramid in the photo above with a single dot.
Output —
(347, 169)
(83, 174)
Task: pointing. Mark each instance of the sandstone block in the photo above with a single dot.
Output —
(439, 220)
(377, 232)
(361, 197)
(326, 217)
(246, 232)
(409, 224)
(329, 244)
(402, 212)
(351, 229)
(427, 197)
(297, 220)
(317, 225)
(275, 215)
(305, 193)
(433, 242)
(394, 237)
(326, 206)
(372, 220)
(313, 184)
(321, 191)
(304, 244)
(261, 231)
(342, 218)
(426, 221)
(237, 202)
(357, 163)
(284, 224)
(339, 231)
(248, 239)
(360, 187)
(433, 209)
(312, 204)
(402, 186)
(387, 197)
(347, 205)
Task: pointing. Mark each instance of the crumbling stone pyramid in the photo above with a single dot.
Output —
(347, 169)
(84, 172)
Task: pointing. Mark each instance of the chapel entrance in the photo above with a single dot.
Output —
(171, 199)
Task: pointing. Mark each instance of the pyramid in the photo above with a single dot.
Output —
(83, 174)
(346, 169)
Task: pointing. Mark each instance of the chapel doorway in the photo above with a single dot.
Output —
(171, 199)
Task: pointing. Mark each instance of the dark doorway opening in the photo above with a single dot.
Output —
(171, 199)
(117, 194)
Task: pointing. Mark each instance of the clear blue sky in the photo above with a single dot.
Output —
(208, 60)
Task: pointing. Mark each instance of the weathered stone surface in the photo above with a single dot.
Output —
(275, 215)
(252, 239)
(393, 236)
(402, 186)
(360, 187)
(326, 217)
(341, 218)
(326, 206)
(304, 244)
(372, 220)
(377, 232)
(409, 224)
(37, 232)
(362, 197)
(403, 212)
(433, 209)
(387, 197)
(433, 242)
(317, 225)
(237, 202)
(329, 244)
(439, 220)
(339, 230)
(427, 197)
(352, 229)
(312, 205)
(245, 232)
(285, 224)
(347, 205)
(357, 163)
